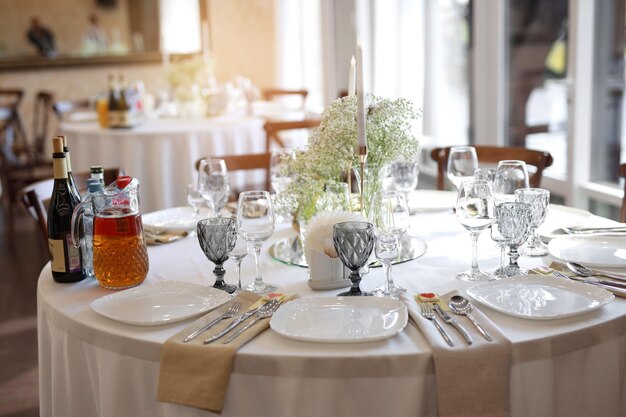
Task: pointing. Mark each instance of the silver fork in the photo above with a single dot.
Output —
(234, 309)
(264, 312)
(428, 314)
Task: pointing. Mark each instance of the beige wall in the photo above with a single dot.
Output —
(67, 19)
(242, 39)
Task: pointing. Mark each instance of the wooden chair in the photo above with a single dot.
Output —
(493, 154)
(274, 129)
(622, 212)
(63, 109)
(43, 106)
(19, 163)
(245, 162)
(36, 196)
(272, 93)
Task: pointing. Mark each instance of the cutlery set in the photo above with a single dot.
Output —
(265, 310)
(431, 308)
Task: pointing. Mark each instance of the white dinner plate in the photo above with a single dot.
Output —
(538, 297)
(159, 303)
(340, 319)
(175, 219)
(594, 250)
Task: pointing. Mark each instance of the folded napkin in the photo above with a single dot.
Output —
(196, 374)
(472, 380)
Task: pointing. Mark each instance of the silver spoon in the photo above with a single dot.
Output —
(461, 305)
(583, 271)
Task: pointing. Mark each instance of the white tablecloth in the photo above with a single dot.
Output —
(162, 153)
(92, 366)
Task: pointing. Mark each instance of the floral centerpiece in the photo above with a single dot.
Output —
(188, 77)
(332, 150)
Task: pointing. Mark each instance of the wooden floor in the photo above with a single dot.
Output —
(21, 259)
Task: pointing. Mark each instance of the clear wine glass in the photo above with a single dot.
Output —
(510, 176)
(389, 214)
(405, 175)
(514, 221)
(194, 199)
(215, 236)
(255, 218)
(214, 183)
(502, 242)
(354, 242)
(462, 162)
(474, 210)
(279, 175)
(237, 253)
(539, 199)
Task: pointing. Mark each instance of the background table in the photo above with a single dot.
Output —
(162, 152)
(90, 365)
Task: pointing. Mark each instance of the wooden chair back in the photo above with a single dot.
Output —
(245, 162)
(64, 108)
(36, 196)
(622, 212)
(273, 130)
(272, 93)
(493, 154)
(43, 106)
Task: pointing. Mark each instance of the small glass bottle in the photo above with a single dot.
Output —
(86, 242)
(97, 173)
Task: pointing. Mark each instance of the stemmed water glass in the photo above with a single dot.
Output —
(194, 199)
(354, 242)
(237, 253)
(501, 240)
(474, 210)
(389, 214)
(405, 175)
(510, 176)
(255, 220)
(462, 162)
(513, 221)
(214, 183)
(215, 236)
(279, 175)
(538, 199)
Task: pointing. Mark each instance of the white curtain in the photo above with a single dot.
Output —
(299, 47)
(180, 26)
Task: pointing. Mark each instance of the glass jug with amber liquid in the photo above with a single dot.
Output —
(120, 258)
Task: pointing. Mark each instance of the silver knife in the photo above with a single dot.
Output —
(590, 230)
(232, 325)
(448, 319)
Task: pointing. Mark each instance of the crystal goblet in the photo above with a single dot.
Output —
(514, 221)
(215, 238)
(538, 198)
(354, 242)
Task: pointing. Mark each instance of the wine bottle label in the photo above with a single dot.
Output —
(60, 168)
(125, 118)
(57, 254)
(113, 118)
(73, 255)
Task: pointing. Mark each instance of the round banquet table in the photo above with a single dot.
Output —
(162, 153)
(90, 365)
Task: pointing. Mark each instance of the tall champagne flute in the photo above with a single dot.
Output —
(255, 220)
(462, 162)
(214, 183)
(510, 175)
(389, 214)
(237, 253)
(474, 210)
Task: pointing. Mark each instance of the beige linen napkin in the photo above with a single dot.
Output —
(196, 374)
(472, 380)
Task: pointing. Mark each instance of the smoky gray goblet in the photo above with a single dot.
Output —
(215, 236)
(354, 242)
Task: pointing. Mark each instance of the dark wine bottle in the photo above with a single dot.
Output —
(113, 110)
(68, 163)
(125, 111)
(66, 259)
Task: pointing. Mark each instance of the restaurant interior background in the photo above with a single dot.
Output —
(546, 74)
